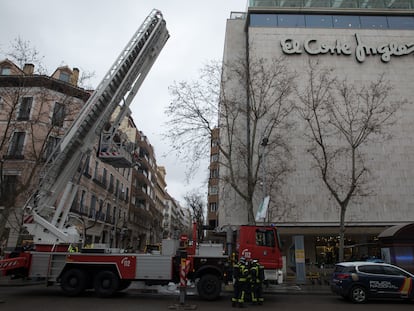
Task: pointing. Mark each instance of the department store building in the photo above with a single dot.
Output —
(360, 40)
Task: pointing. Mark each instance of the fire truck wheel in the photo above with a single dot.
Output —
(209, 287)
(106, 283)
(73, 282)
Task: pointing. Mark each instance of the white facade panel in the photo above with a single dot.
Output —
(391, 163)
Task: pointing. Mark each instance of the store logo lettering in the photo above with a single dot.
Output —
(315, 47)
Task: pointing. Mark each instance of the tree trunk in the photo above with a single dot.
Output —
(342, 234)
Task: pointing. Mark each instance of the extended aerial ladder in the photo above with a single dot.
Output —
(60, 177)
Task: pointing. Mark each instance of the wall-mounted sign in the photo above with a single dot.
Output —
(314, 46)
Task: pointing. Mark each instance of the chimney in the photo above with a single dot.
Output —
(28, 69)
(75, 76)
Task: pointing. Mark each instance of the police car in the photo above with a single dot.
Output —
(360, 281)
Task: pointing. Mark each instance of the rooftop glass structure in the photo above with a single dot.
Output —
(337, 4)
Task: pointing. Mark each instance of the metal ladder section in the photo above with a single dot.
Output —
(118, 86)
(56, 264)
(143, 48)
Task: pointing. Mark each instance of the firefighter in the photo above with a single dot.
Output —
(241, 273)
(72, 249)
(256, 277)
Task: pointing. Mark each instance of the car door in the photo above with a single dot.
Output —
(401, 282)
(371, 277)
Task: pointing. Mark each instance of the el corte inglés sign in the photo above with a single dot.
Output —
(314, 46)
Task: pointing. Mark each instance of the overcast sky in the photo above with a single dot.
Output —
(90, 34)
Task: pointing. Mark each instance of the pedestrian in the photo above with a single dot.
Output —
(240, 275)
(256, 278)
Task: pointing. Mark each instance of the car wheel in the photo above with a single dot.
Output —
(358, 294)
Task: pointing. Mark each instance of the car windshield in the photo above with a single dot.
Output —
(344, 269)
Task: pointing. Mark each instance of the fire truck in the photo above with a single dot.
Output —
(54, 258)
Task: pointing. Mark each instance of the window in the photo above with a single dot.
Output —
(86, 171)
(1, 103)
(346, 21)
(95, 172)
(213, 207)
(117, 188)
(16, 145)
(373, 269)
(213, 190)
(394, 271)
(82, 202)
(291, 20)
(400, 4)
(92, 212)
(9, 187)
(265, 238)
(64, 76)
(319, 21)
(263, 20)
(214, 142)
(214, 158)
(24, 109)
(100, 214)
(104, 176)
(111, 183)
(212, 223)
(214, 173)
(51, 144)
(58, 115)
(401, 22)
(5, 71)
(108, 212)
(377, 22)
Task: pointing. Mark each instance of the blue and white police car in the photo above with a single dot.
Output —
(362, 280)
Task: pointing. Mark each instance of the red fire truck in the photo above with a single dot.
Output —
(108, 272)
(55, 260)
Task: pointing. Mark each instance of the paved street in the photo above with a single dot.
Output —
(40, 298)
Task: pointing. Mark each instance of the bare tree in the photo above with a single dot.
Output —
(194, 201)
(343, 119)
(22, 52)
(249, 102)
